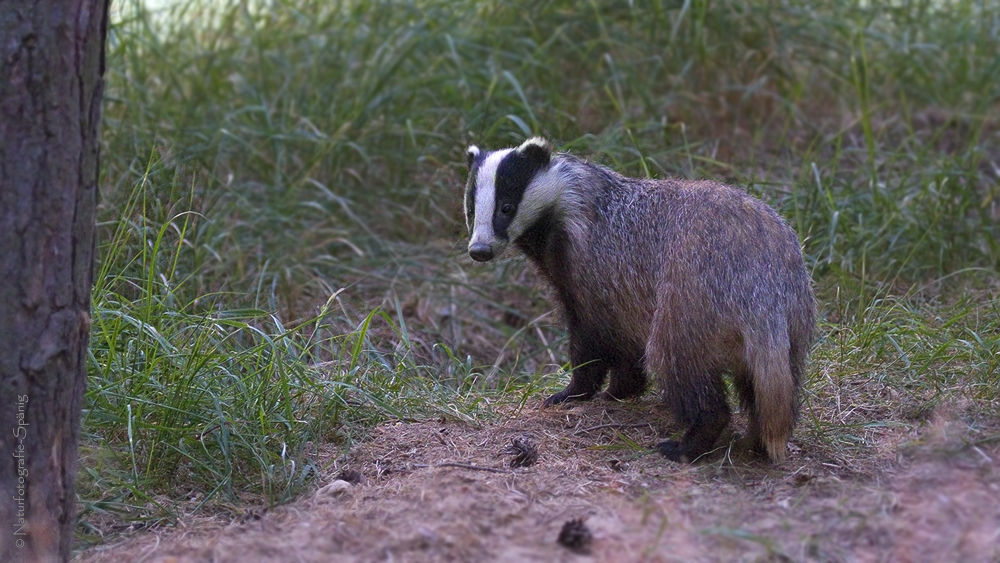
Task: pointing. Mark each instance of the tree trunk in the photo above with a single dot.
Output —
(51, 81)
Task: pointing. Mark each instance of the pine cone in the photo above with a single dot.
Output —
(576, 535)
(525, 452)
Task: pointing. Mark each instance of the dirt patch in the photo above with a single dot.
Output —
(444, 491)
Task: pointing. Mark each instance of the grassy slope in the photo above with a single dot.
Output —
(279, 261)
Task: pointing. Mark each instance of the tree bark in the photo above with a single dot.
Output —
(51, 84)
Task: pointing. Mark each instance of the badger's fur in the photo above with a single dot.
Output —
(684, 281)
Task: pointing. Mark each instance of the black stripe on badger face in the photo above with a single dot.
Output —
(513, 175)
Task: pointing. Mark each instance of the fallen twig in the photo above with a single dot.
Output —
(475, 467)
(612, 425)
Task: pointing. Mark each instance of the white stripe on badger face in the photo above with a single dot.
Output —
(544, 191)
(486, 188)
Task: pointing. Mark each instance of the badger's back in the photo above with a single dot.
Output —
(627, 247)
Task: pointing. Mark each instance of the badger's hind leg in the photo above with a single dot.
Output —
(743, 383)
(697, 400)
(687, 356)
(589, 373)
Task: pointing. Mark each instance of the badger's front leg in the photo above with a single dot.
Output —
(589, 372)
(627, 379)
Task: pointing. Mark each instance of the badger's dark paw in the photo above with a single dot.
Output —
(674, 451)
(559, 397)
(564, 396)
(624, 388)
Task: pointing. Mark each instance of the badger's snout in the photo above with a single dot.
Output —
(480, 252)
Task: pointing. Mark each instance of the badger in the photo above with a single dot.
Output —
(684, 282)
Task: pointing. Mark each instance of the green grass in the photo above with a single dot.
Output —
(280, 260)
(895, 360)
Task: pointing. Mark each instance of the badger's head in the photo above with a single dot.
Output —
(507, 192)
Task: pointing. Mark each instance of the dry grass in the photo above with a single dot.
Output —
(916, 495)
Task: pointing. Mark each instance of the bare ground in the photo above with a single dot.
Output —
(915, 495)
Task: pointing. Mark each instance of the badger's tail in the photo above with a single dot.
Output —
(775, 385)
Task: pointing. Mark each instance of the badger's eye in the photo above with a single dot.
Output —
(507, 208)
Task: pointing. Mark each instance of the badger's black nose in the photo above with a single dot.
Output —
(481, 252)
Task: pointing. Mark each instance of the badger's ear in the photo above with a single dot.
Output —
(470, 155)
(536, 150)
